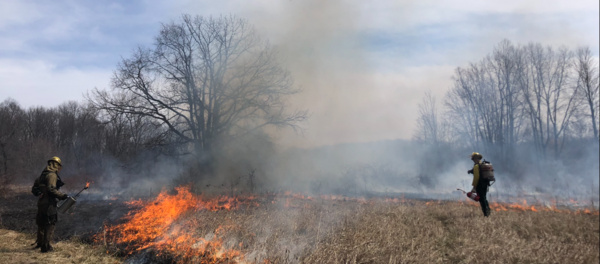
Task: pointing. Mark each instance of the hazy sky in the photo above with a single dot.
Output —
(362, 65)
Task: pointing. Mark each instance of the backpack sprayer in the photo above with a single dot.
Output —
(473, 196)
(487, 173)
(71, 200)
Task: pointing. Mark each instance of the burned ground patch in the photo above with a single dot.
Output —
(85, 218)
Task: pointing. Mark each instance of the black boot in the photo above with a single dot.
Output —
(47, 248)
(37, 244)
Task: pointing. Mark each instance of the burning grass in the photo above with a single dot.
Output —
(292, 228)
(161, 225)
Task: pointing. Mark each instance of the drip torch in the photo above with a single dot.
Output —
(71, 200)
(473, 196)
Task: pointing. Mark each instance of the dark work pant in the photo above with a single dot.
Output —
(46, 224)
(482, 188)
(48, 232)
(40, 235)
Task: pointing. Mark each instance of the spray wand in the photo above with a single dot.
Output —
(71, 200)
(87, 185)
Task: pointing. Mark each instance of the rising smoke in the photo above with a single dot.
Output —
(322, 46)
(332, 63)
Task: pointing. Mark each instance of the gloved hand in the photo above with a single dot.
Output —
(473, 190)
(470, 171)
(65, 197)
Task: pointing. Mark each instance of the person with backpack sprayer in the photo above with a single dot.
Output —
(483, 173)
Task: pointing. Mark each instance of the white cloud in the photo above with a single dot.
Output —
(407, 14)
(34, 83)
(14, 12)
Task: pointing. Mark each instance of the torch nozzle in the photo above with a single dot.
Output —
(87, 185)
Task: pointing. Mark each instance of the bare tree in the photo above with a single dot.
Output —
(508, 119)
(535, 99)
(428, 125)
(485, 102)
(207, 80)
(513, 90)
(462, 112)
(549, 97)
(587, 80)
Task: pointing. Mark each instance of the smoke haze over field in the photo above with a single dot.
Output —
(362, 68)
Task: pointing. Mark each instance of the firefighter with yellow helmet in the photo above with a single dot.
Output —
(480, 184)
(46, 187)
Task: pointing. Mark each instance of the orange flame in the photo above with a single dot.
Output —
(87, 185)
(153, 226)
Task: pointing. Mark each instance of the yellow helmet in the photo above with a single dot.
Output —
(55, 159)
(476, 155)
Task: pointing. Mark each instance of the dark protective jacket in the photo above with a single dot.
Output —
(481, 187)
(47, 183)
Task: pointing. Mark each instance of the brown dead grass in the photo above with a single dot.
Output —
(15, 248)
(327, 231)
(450, 233)
(323, 231)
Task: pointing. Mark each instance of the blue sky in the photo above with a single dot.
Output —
(72, 34)
(387, 53)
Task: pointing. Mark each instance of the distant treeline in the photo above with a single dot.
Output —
(524, 106)
(88, 143)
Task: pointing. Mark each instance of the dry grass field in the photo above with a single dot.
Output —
(291, 229)
(15, 248)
